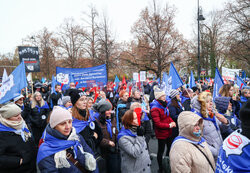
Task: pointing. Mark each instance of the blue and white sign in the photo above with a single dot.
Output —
(84, 76)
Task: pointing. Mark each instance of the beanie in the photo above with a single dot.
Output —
(245, 119)
(102, 106)
(222, 104)
(10, 110)
(158, 93)
(65, 99)
(59, 115)
(173, 93)
(18, 97)
(75, 95)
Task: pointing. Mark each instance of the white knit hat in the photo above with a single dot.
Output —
(173, 93)
(18, 97)
(59, 115)
(158, 93)
(10, 110)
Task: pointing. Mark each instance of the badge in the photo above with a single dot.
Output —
(92, 125)
(113, 130)
(43, 117)
(233, 121)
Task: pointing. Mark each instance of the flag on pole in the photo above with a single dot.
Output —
(5, 75)
(192, 81)
(13, 85)
(175, 78)
(218, 83)
(117, 81)
(53, 84)
(240, 82)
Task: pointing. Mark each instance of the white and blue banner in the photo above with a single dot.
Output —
(13, 85)
(85, 77)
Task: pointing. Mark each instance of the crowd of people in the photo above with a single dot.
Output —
(108, 129)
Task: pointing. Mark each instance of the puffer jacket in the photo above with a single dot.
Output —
(161, 121)
(184, 156)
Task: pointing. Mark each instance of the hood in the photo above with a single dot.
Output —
(186, 121)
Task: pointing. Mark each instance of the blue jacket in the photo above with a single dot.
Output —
(47, 164)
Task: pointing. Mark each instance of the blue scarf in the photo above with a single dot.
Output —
(45, 106)
(109, 125)
(80, 125)
(4, 128)
(94, 114)
(243, 99)
(183, 99)
(213, 120)
(125, 132)
(182, 138)
(65, 107)
(156, 104)
(117, 111)
(52, 145)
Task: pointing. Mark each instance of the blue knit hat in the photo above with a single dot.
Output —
(222, 104)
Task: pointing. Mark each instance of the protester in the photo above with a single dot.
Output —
(44, 93)
(175, 108)
(134, 151)
(17, 147)
(245, 95)
(71, 87)
(38, 115)
(63, 150)
(55, 96)
(122, 104)
(214, 123)
(224, 107)
(186, 97)
(163, 124)
(189, 151)
(19, 101)
(108, 145)
(234, 154)
(66, 102)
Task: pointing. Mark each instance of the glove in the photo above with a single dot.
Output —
(140, 130)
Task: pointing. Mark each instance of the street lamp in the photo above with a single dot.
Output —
(199, 18)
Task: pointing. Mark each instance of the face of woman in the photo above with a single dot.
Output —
(68, 104)
(135, 120)
(108, 113)
(38, 97)
(20, 101)
(64, 127)
(16, 118)
(162, 98)
(231, 91)
(125, 97)
(102, 95)
(209, 104)
(90, 103)
(137, 95)
(197, 127)
(81, 102)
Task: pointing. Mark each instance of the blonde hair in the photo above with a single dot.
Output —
(203, 98)
(34, 102)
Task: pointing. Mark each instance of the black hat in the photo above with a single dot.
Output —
(245, 119)
(102, 106)
(75, 95)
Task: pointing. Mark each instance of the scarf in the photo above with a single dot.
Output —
(125, 132)
(213, 120)
(182, 138)
(18, 127)
(183, 99)
(109, 125)
(156, 104)
(80, 125)
(117, 111)
(45, 106)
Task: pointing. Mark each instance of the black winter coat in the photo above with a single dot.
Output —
(12, 149)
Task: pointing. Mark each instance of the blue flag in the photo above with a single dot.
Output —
(117, 81)
(192, 81)
(175, 78)
(53, 84)
(15, 82)
(218, 83)
(240, 82)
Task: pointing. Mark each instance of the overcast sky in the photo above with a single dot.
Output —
(20, 18)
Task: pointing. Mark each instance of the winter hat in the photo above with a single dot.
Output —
(222, 104)
(10, 110)
(173, 93)
(59, 115)
(158, 93)
(102, 106)
(65, 99)
(18, 97)
(245, 119)
(75, 95)
(195, 89)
